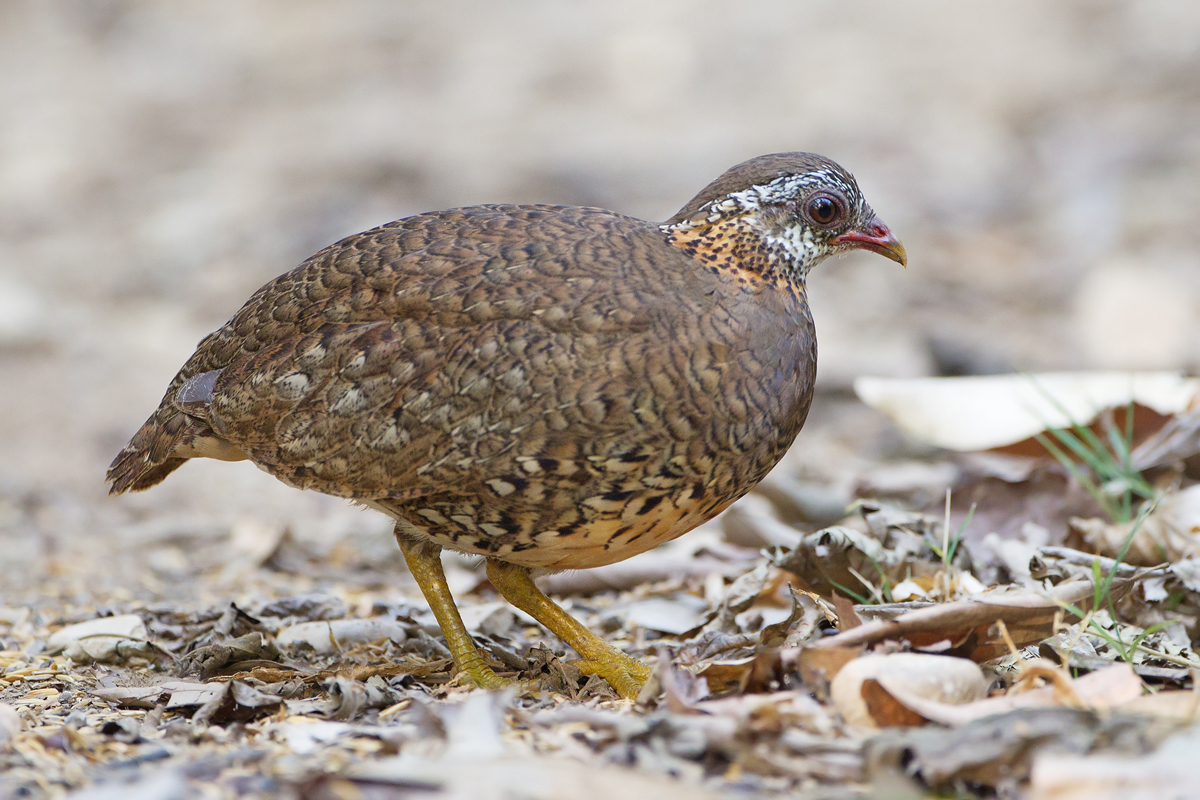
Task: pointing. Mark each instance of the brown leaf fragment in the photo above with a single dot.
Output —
(235, 702)
(885, 710)
(680, 689)
(1178, 440)
(819, 665)
(847, 617)
(349, 698)
(1024, 610)
(390, 669)
(828, 559)
(772, 712)
(306, 606)
(944, 680)
(554, 673)
(1103, 690)
(774, 635)
(273, 673)
(728, 676)
(755, 673)
(713, 643)
(212, 659)
(1167, 534)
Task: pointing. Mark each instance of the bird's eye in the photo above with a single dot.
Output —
(824, 210)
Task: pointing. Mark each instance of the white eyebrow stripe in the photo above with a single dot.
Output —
(782, 190)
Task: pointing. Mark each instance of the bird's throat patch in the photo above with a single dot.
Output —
(736, 249)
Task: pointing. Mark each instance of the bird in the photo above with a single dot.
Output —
(548, 387)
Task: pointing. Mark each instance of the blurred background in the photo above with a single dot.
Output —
(160, 161)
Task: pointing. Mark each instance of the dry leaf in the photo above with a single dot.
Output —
(968, 624)
(1168, 533)
(819, 665)
(103, 639)
(996, 752)
(984, 412)
(1170, 772)
(1179, 706)
(1104, 689)
(884, 710)
(234, 701)
(331, 636)
(942, 679)
(1176, 441)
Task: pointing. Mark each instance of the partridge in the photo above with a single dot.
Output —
(548, 387)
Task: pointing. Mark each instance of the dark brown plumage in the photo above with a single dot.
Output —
(547, 386)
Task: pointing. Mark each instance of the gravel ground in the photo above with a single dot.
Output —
(158, 162)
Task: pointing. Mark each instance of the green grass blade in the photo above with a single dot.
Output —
(853, 595)
(1073, 469)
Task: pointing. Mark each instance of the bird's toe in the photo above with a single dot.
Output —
(625, 674)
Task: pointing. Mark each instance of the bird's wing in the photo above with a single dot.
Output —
(432, 349)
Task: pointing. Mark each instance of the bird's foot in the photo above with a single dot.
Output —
(624, 674)
(478, 675)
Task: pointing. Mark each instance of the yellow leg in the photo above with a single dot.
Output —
(626, 675)
(425, 564)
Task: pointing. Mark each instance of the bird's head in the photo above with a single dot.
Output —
(785, 212)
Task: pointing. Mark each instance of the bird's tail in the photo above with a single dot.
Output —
(150, 455)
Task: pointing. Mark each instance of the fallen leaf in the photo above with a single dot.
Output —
(1168, 533)
(1179, 706)
(235, 701)
(828, 559)
(990, 411)
(884, 710)
(945, 680)
(677, 613)
(750, 674)
(334, 635)
(104, 639)
(1176, 441)
(996, 752)
(308, 606)
(968, 624)
(1104, 689)
(212, 659)
(819, 665)
(1170, 772)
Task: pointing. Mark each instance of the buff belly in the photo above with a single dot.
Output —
(577, 544)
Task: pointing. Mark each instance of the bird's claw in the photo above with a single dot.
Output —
(481, 676)
(625, 674)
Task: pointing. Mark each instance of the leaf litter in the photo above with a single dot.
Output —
(905, 646)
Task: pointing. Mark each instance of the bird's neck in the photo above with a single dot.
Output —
(736, 247)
